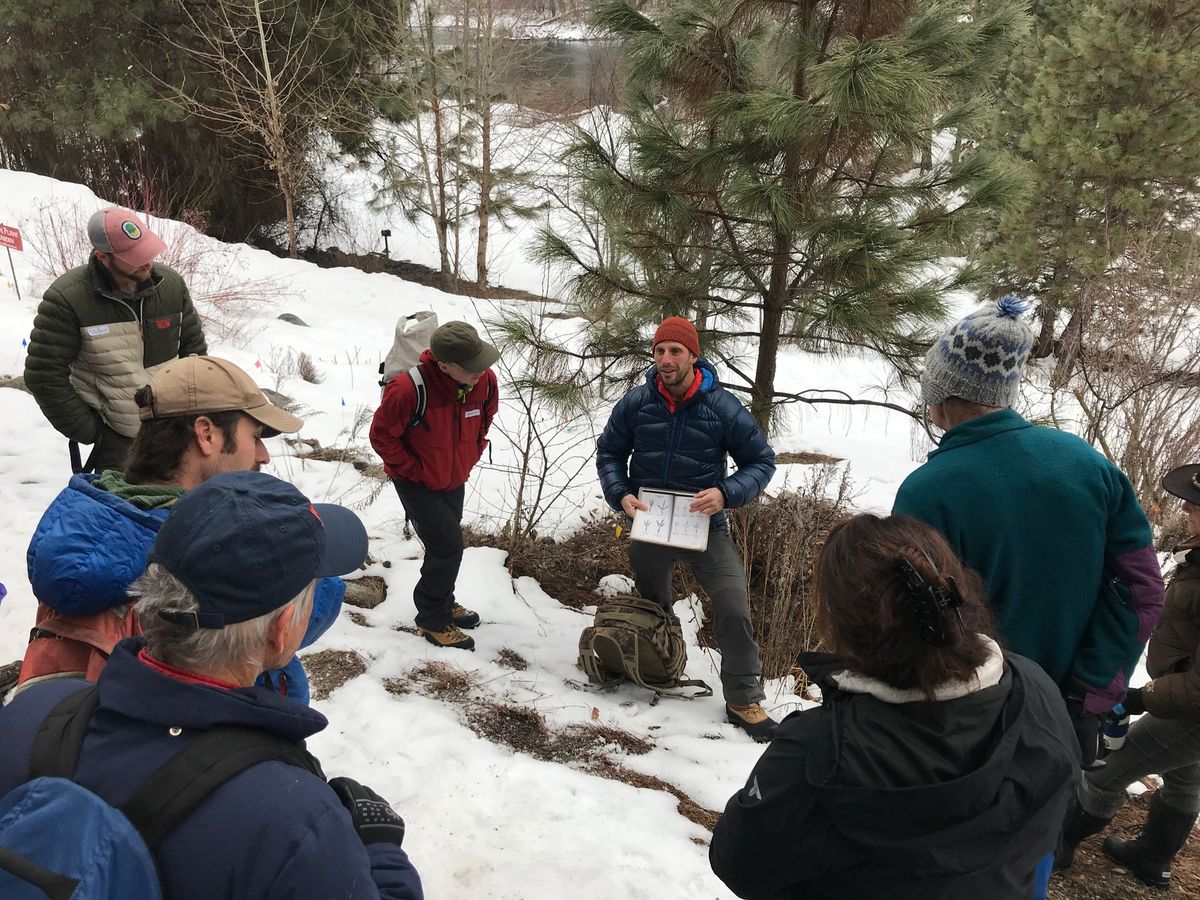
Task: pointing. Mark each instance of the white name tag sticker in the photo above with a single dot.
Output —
(96, 330)
(470, 413)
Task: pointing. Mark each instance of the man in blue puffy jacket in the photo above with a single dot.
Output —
(675, 431)
(227, 594)
(200, 416)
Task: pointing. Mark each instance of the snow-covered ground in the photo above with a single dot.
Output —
(483, 821)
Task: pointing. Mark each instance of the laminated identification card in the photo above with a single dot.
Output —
(668, 520)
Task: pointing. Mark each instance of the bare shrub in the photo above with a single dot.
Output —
(1137, 378)
(307, 369)
(780, 539)
(568, 569)
(226, 299)
(552, 435)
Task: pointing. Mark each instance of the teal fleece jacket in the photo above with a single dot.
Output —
(1044, 518)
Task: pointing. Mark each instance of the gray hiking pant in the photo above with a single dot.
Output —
(719, 571)
(1166, 747)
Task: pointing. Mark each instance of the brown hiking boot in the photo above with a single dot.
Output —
(753, 720)
(449, 636)
(463, 617)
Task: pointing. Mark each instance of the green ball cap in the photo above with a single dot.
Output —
(460, 343)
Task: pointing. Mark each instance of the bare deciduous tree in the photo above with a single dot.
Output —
(271, 84)
(1137, 365)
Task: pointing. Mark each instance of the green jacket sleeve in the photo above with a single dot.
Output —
(191, 335)
(1177, 695)
(53, 346)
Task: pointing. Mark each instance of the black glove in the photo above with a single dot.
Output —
(1133, 702)
(374, 818)
(1087, 731)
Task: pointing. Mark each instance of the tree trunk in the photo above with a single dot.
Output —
(1045, 342)
(485, 192)
(775, 302)
(441, 219)
(1071, 341)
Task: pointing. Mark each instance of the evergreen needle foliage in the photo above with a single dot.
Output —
(1101, 104)
(764, 179)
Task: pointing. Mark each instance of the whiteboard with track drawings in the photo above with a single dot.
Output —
(669, 521)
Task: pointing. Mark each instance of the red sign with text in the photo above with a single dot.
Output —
(10, 237)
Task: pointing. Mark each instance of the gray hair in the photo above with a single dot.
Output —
(205, 649)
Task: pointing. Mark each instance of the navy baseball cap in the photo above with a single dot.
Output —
(246, 543)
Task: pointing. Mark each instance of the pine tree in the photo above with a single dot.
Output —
(1101, 104)
(765, 178)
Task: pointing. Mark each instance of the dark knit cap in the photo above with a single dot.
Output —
(679, 330)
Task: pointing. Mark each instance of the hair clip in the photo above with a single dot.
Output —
(929, 602)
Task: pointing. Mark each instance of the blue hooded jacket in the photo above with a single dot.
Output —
(684, 450)
(272, 831)
(90, 545)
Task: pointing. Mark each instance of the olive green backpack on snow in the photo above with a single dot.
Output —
(635, 638)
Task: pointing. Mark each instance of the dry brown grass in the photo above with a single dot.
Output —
(592, 747)
(779, 538)
(570, 569)
(306, 368)
(511, 659)
(365, 465)
(1095, 877)
(328, 670)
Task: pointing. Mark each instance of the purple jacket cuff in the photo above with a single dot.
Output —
(1140, 570)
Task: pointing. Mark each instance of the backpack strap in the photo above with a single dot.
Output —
(189, 777)
(182, 783)
(590, 663)
(418, 381)
(56, 746)
(53, 885)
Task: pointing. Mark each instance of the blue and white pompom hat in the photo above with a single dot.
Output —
(982, 358)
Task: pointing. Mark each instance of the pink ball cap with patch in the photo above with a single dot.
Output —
(125, 236)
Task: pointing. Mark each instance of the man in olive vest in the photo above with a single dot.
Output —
(102, 330)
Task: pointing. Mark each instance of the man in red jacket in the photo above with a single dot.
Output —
(429, 458)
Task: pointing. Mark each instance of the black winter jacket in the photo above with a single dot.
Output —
(864, 798)
(684, 450)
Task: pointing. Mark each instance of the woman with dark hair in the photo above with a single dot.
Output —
(936, 765)
(1165, 741)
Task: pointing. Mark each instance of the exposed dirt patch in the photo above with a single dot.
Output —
(588, 746)
(328, 670)
(334, 257)
(688, 808)
(567, 570)
(511, 659)
(1096, 877)
(780, 572)
(443, 680)
(397, 686)
(365, 465)
(805, 458)
(17, 382)
(357, 618)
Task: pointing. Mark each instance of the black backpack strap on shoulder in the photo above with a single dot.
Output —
(188, 778)
(418, 381)
(55, 751)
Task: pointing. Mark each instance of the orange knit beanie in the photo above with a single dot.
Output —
(680, 330)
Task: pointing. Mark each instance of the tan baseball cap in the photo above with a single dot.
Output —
(205, 384)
